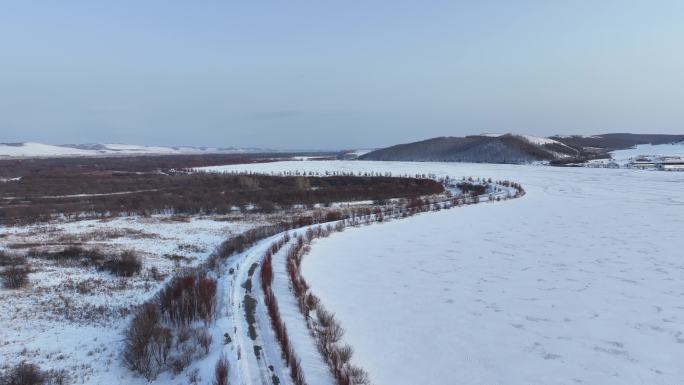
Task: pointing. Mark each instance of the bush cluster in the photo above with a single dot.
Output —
(14, 270)
(161, 337)
(25, 373)
(124, 264)
(14, 277)
(221, 371)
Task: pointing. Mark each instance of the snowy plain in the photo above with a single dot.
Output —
(39, 149)
(672, 149)
(578, 282)
(33, 149)
(72, 318)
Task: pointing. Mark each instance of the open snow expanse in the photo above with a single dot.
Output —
(39, 149)
(157, 238)
(72, 317)
(580, 281)
(32, 149)
(623, 156)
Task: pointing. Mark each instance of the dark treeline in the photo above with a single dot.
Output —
(41, 197)
(472, 188)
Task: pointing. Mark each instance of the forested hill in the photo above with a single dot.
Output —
(482, 149)
(510, 148)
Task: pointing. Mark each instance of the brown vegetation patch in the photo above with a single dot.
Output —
(77, 194)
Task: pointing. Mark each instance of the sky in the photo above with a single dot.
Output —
(336, 74)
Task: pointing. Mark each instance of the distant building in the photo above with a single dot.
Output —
(672, 166)
(669, 163)
(644, 165)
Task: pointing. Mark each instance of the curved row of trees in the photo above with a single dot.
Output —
(322, 324)
(161, 324)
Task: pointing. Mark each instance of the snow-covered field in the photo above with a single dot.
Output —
(159, 239)
(39, 149)
(580, 281)
(32, 149)
(648, 150)
(71, 317)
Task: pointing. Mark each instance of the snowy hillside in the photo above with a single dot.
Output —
(486, 148)
(32, 149)
(540, 141)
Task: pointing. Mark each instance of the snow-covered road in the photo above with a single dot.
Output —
(266, 365)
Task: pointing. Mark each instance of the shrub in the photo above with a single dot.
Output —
(7, 259)
(30, 374)
(160, 346)
(194, 377)
(357, 375)
(206, 298)
(125, 264)
(187, 298)
(245, 240)
(137, 355)
(221, 371)
(71, 254)
(160, 338)
(179, 363)
(14, 277)
(204, 339)
(344, 353)
(24, 374)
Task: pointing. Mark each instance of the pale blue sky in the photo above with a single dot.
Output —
(333, 74)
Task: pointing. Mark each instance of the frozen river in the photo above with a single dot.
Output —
(581, 281)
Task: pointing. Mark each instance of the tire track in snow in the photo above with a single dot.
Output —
(253, 369)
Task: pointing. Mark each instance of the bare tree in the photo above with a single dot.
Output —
(204, 339)
(221, 371)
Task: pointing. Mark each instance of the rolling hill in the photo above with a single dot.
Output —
(32, 149)
(515, 149)
(506, 148)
